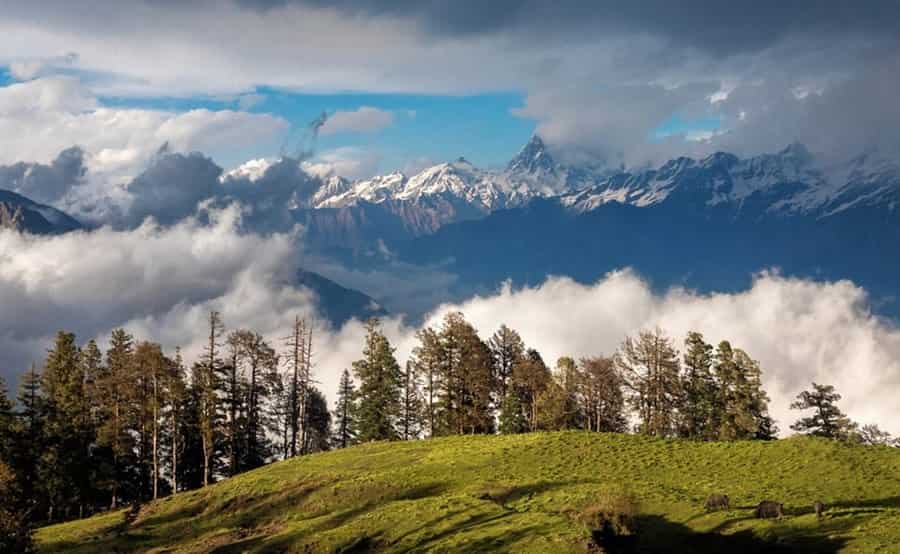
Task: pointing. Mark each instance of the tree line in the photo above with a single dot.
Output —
(94, 430)
(456, 383)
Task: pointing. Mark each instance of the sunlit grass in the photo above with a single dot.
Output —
(521, 493)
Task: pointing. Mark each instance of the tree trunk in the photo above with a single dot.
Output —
(155, 437)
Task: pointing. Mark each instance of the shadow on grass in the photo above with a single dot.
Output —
(657, 534)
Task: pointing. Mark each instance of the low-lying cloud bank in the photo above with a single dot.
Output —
(157, 282)
(160, 283)
(799, 330)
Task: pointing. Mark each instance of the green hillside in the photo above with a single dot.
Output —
(523, 493)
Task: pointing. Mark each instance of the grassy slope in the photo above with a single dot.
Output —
(520, 493)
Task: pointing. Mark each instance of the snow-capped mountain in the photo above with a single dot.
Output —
(789, 182)
(532, 173)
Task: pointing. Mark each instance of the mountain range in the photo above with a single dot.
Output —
(707, 224)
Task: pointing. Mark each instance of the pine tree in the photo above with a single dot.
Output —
(344, 412)
(512, 418)
(114, 390)
(827, 420)
(754, 397)
(552, 408)
(743, 404)
(557, 404)
(650, 368)
(262, 365)
(29, 439)
(508, 350)
(410, 424)
(175, 391)
(298, 358)
(15, 529)
(379, 380)
(7, 422)
(529, 379)
(427, 359)
(466, 379)
(602, 398)
(318, 422)
(698, 406)
(207, 376)
(65, 469)
(233, 400)
(152, 370)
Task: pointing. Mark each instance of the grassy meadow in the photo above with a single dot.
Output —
(540, 492)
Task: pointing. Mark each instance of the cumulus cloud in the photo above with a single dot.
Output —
(40, 118)
(800, 331)
(161, 282)
(348, 161)
(46, 183)
(158, 282)
(364, 119)
(593, 73)
(173, 185)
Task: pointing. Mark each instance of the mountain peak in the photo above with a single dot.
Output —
(533, 158)
(798, 152)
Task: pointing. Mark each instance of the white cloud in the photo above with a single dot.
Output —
(604, 91)
(40, 118)
(349, 162)
(157, 282)
(362, 120)
(801, 331)
(25, 70)
(160, 284)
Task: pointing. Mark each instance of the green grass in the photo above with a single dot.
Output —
(523, 493)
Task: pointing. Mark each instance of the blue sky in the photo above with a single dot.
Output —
(426, 128)
(480, 127)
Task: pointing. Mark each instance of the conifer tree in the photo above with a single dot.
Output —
(529, 379)
(427, 359)
(261, 365)
(650, 369)
(410, 424)
(344, 412)
(602, 398)
(754, 397)
(827, 420)
(65, 469)
(15, 529)
(508, 350)
(29, 442)
(557, 404)
(318, 422)
(512, 418)
(207, 377)
(7, 422)
(698, 406)
(176, 394)
(466, 379)
(298, 358)
(152, 368)
(743, 412)
(233, 400)
(115, 388)
(379, 380)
